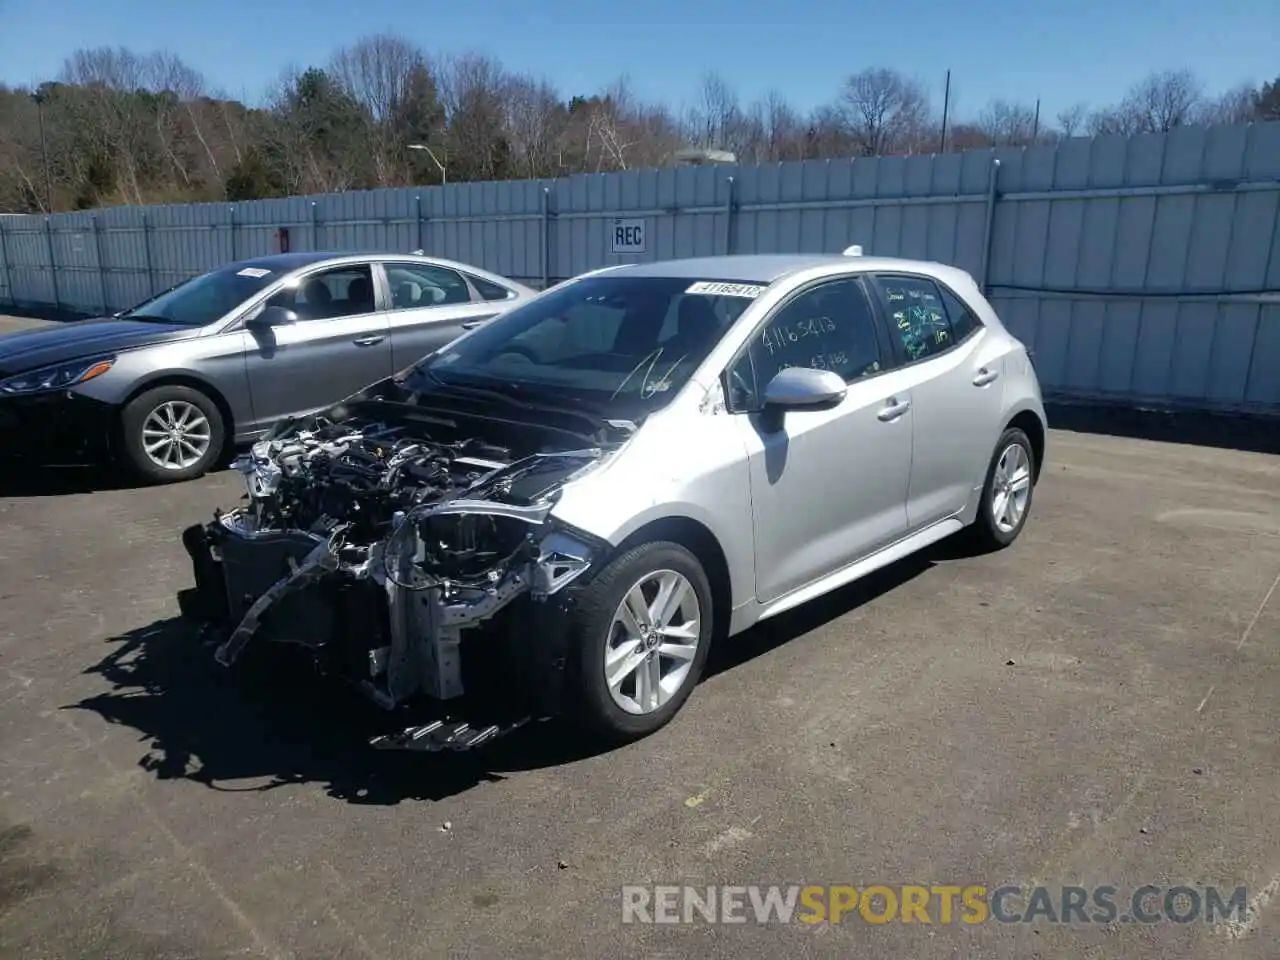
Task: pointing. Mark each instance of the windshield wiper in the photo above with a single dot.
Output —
(513, 399)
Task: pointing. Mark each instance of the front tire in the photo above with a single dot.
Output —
(1006, 496)
(170, 434)
(640, 632)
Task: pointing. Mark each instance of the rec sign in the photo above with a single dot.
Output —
(627, 236)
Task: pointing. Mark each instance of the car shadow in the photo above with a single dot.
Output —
(1256, 434)
(276, 724)
(36, 480)
(21, 480)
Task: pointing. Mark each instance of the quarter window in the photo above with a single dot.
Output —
(340, 292)
(488, 289)
(829, 327)
(417, 285)
(963, 320)
(917, 316)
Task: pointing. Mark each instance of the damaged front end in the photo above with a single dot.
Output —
(409, 557)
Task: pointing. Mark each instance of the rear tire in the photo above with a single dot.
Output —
(665, 656)
(1007, 493)
(170, 434)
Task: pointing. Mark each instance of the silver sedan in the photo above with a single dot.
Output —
(165, 386)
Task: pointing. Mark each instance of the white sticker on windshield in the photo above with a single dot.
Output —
(256, 272)
(713, 289)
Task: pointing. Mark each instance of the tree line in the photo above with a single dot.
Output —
(121, 127)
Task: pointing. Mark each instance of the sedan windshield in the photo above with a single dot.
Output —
(621, 345)
(203, 299)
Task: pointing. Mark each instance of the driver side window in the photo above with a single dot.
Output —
(828, 327)
(329, 294)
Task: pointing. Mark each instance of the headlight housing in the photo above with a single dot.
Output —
(57, 377)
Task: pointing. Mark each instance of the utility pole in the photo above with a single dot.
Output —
(946, 105)
(1035, 129)
(39, 97)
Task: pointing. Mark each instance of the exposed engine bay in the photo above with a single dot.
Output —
(393, 541)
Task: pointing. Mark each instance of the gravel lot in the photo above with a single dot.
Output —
(1096, 705)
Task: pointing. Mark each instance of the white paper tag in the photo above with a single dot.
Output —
(711, 288)
(256, 272)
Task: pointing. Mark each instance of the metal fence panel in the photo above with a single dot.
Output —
(1138, 268)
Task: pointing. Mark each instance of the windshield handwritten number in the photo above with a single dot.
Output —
(650, 387)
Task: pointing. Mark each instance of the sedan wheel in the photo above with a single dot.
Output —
(652, 642)
(171, 433)
(176, 435)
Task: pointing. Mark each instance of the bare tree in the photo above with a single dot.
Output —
(1237, 105)
(471, 87)
(1007, 124)
(883, 111)
(377, 73)
(535, 121)
(714, 121)
(1071, 120)
(111, 117)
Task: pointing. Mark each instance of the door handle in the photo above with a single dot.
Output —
(985, 376)
(472, 324)
(368, 341)
(893, 409)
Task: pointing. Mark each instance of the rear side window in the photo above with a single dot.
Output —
(415, 285)
(489, 290)
(917, 316)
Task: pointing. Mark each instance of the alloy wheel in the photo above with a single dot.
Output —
(176, 435)
(652, 641)
(1011, 487)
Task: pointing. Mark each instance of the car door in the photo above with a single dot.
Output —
(427, 307)
(952, 366)
(828, 486)
(338, 345)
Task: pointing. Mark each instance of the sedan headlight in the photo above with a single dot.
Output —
(57, 377)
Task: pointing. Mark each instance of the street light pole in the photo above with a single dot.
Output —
(444, 177)
(40, 98)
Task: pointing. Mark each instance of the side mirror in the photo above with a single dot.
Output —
(803, 387)
(271, 317)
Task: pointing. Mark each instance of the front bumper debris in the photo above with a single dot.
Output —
(454, 613)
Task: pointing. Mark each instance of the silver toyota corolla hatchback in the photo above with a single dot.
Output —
(560, 512)
(166, 386)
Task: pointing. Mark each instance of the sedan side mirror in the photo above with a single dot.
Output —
(272, 316)
(797, 388)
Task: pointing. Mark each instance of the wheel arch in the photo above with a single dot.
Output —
(698, 539)
(1029, 422)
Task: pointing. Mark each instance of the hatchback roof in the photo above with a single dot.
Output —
(762, 267)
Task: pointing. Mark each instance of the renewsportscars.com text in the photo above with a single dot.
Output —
(934, 904)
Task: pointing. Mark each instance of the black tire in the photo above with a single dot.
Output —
(135, 415)
(985, 534)
(590, 620)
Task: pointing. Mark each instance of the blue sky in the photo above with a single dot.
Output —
(1061, 52)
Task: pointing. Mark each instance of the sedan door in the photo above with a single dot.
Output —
(428, 307)
(828, 486)
(338, 346)
(953, 367)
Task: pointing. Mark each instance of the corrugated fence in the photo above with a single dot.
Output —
(1140, 269)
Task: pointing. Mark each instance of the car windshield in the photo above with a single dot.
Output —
(203, 299)
(621, 345)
